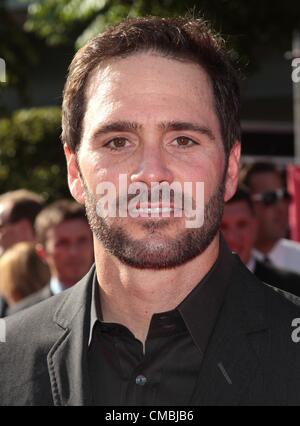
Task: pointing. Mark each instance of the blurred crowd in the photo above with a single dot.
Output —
(45, 249)
(255, 225)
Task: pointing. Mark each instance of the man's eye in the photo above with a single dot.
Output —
(183, 142)
(116, 143)
(62, 243)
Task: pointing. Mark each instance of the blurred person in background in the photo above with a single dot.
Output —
(18, 210)
(65, 243)
(271, 203)
(22, 273)
(239, 227)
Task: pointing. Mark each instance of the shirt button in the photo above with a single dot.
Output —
(141, 380)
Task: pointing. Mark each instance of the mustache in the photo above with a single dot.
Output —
(178, 196)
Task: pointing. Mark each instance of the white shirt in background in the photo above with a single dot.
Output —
(284, 255)
(56, 286)
(251, 264)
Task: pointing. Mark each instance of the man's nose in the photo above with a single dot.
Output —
(74, 249)
(152, 168)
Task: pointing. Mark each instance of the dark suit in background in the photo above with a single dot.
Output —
(285, 280)
(3, 307)
(251, 358)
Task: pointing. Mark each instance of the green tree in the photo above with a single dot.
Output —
(17, 49)
(248, 24)
(31, 155)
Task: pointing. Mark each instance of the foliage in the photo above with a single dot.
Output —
(17, 49)
(31, 154)
(248, 25)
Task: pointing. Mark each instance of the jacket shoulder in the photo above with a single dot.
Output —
(30, 335)
(283, 279)
(272, 294)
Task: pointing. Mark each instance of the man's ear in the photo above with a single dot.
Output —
(41, 252)
(233, 169)
(74, 181)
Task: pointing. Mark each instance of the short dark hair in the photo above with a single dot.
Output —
(55, 214)
(256, 169)
(177, 38)
(22, 204)
(242, 194)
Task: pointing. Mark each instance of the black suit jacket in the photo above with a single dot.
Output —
(280, 278)
(250, 359)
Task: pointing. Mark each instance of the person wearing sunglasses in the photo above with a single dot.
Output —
(271, 203)
(271, 198)
(239, 228)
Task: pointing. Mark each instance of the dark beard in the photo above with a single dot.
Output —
(168, 252)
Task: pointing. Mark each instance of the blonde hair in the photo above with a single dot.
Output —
(22, 272)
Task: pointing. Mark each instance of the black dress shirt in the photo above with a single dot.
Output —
(167, 373)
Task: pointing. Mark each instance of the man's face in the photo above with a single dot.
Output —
(12, 233)
(152, 119)
(272, 219)
(69, 250)
(239, 229)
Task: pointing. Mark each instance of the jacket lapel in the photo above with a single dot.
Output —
(67, 360)
(231, 361)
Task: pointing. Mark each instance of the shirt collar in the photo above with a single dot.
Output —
(273, 255)
(251, 264)
(199, 310)
(56, 286)
(96, 313)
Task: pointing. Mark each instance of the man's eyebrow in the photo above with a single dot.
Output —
(184, 125)
(116, 126)
(129, 126)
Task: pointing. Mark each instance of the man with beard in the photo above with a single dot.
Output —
(168, 316)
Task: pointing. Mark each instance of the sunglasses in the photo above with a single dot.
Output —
(269, 198)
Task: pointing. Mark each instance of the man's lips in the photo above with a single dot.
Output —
(155, 209)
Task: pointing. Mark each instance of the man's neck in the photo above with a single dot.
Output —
(131, 296)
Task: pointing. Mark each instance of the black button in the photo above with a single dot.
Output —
(140, 380)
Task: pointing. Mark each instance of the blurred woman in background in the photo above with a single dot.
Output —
(22, 273)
